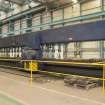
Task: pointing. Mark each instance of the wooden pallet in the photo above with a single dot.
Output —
(88, 86)
(78, 82)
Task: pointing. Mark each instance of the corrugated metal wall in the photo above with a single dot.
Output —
(57, 15)
(46, 18)
(5, 30)
(70, 50)
(68, 12)
(84, 50)
(90, 50)
(17, 27)
(91, 7)
(23, 26)
(75, 10)
(36, 20)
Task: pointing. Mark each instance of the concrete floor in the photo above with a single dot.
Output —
(17, 90)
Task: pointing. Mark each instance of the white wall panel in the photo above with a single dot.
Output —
(70, 50)
(57, 15)
(24, 7)
(72, 23)
(104, 5)
(5, 29)
(46, 18)
(68, 12)
(57, 26)
(91, 20)
(90, 55)
(90, 44)
(36, 20)
(76, 10)
(2, 16)
(72, 11)
(17, 27)
(23, 25)
(91, 7)
(104, 49)
(90, 50)
(17, 9)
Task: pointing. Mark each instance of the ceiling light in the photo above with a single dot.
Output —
(75, 1)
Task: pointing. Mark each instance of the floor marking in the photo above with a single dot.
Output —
(57, 92)
(13, 98)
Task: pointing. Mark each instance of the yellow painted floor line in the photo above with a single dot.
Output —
(57, 92)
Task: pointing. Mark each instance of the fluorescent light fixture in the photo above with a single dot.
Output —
(75, 1)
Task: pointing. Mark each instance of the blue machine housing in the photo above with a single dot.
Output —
(32, 40)
(93, 31)
(81, 32)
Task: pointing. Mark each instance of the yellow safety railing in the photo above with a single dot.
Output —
(32, 68)
(30, 65)
(84, 64)
(103, 87)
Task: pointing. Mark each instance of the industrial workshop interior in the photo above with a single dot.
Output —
(52, 52)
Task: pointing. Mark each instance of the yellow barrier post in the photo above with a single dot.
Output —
(103, 81)
(25, 65)
(31, 72)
